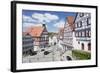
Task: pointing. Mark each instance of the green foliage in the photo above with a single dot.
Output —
(81, 55)
(51, 34)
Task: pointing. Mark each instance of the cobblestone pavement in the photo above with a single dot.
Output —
(56, 54)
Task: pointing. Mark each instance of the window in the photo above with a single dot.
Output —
(41, 39)
(87, 33)
(80, 25)
(45, 37)
(79, 34)
(82, 46)
(83, 33)
(88, 21)
(78, 42)
(81, 14)
(76, 25)
(76, 34)
(89, 46)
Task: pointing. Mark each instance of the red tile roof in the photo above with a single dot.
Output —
(61, 30)
(70, 19)
(36, 31)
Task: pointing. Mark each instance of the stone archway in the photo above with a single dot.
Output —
(89, 46)
(68, 58)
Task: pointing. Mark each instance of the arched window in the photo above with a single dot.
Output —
(82, 46)
(89, 46)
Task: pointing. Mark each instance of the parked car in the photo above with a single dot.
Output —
(42, 49)
(46, 52)
(33, 53)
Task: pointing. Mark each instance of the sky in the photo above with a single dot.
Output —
(52, 19)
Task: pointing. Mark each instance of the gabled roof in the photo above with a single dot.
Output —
(70, 21)
(61, 31)
(36, 31)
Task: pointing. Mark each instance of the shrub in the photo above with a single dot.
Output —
(81, 55)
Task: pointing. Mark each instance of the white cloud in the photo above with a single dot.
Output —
(59, 24)
(39, 17)
(31, 24)
(51, 16)
(44, 18)
(28, 19)
(27, 25)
